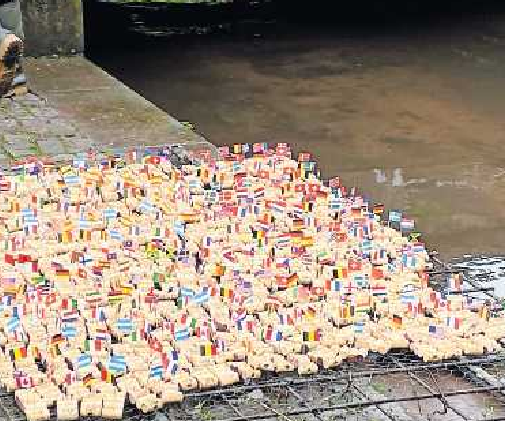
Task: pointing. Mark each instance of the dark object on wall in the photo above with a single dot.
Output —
(53, 27)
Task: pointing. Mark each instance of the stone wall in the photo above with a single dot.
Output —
(53, 27)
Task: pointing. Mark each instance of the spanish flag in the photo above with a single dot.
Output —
(66, 237)
(208, 350)
(218, 270)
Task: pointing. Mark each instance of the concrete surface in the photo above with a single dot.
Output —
(76, 106)
(53, 26)
(101, 106)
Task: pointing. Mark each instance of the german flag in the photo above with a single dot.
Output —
(63, 275)
(292, 281)
(308, 206)
(208, 350)
(310, 312)
(57, 339)
(378, 209)
(18, 353)
(88, 379)
(397, 321)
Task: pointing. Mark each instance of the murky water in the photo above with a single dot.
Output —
(410, 111)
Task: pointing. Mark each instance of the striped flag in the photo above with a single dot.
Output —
(156, 371)
(117, 364)
(124, 325)
(13, 324)
(182, 334)
(84, 361)
(69, 331)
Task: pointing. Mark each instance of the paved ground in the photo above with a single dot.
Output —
(75, 106)
(30, 126)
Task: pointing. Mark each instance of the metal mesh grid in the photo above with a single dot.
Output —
(395, 386)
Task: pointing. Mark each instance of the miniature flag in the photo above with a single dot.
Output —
(18, 353)
(156, 371)
(23, 381)
(397, 321)
(92, 345)
(13, 324)
(117, 364)
(124, 325)
(312, 335)
(106, 375)
(69, 331)
(84, 361)
(182, 335)
(208, 350)
(407, 224)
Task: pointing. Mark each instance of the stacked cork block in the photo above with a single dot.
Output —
(130, 281)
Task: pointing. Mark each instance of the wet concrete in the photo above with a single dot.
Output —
(408, 110)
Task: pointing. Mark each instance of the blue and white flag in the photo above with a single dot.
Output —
(395, 216)
(69, 331)
(84, 361)
(115, 235)
(13, 324)
(201, 297)
(182, 335)
(156, 371)
(124, 325)
(187, 292)
(117, 363)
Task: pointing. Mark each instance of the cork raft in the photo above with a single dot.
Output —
(129, 279)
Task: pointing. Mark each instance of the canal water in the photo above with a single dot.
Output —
(407, 106)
